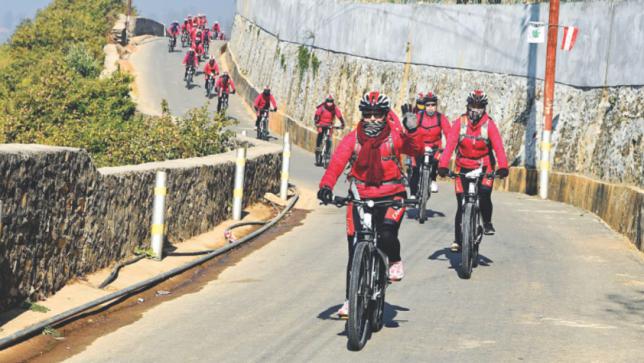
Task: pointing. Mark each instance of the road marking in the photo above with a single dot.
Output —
(543, 211)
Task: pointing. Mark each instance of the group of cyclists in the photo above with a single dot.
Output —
(373, 153)
(196, 33)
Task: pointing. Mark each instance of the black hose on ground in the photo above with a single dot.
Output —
(143, 285)
(117, 268)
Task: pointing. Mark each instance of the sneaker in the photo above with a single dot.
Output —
(343, 312)
(455, 247)
(396, 271)
(488, 229)
(412, 197)
(434, 187)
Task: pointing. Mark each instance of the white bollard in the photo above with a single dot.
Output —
(158, 214)
(286, 158)
(238, 191)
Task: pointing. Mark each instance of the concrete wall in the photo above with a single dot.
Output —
(62, 218)
(490, 38)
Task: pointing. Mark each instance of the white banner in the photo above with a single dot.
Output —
(536, 32)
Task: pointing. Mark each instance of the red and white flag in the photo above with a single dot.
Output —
(569, 38)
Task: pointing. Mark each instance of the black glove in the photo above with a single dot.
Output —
(443, 172)
(275, 109)
(502, 173)
(406, 108)
(233, 92)
(325, 195)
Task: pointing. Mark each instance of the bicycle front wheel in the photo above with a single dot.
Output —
(377, 308)
(424, 194)
(468, 228)
(358, 324)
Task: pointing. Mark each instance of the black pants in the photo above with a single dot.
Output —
(485, 203)
(414, 182)
(259, 117)
(387, 235)
(318, 141)
(219, 100)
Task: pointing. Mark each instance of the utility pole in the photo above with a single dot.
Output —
(127, 19)
(548, 97)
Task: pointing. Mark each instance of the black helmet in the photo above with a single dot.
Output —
(431, 97)
(329, 98)
(374, 101)
(477, 98)
(267, 91)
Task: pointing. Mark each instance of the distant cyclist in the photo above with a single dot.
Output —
(325, 115)
(197, 46)
(190, 60)
(431, 126)
(210, 70)
(225, 85)
(263, 102)
(373, 152)
(174, 29)
(216, 29)
(477, 142)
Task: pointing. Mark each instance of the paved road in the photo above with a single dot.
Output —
(554, 284)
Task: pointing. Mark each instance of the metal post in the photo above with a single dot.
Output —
(286, 157)
(158, 214)
(238, 191)
(548, 97)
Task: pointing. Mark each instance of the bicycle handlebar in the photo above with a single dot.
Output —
(343, 201)
(453, 175)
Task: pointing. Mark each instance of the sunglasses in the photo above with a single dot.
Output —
(431, 105)
(376, 114)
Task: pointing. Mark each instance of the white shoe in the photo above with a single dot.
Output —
(396, 271)
(343, 312)
(412, 197)
(434, 187)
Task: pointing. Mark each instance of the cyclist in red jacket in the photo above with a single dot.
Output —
(210, 70)
(431, 125)
(263, 102)
(374, 150)
(226, 85)
(477, 142)
(325, 115)
(190, 60)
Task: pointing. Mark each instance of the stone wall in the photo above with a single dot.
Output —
(598, 132)
(62, 218)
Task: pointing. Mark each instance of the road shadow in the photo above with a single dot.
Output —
(454, 258)
(412, 213)
(389, 316)
(627, 308)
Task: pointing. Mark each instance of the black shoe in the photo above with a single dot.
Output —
(488, 229)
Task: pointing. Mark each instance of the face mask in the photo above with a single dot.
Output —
(374, 128)
(475, 115)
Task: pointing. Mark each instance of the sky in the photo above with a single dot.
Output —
(165, 11)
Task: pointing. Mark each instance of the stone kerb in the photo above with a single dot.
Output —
(62, 218)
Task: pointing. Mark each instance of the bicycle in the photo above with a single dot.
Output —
(262, 129)
(184, 39)
(471, 225)
(222, 104)
(206, 48)
(424, 180)
(172, 43)
(210, 85)
(189, 75)
(325, 154)
(368, 277)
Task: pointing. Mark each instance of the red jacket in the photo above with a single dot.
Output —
(394, 122)
(173, 30)
(224, 87)
(261, 102)
(430, 129)
(402, 144)
(209, 70)
(198, 48)
(195, 61)
(471, 151)
(216, 27)
(324, 117)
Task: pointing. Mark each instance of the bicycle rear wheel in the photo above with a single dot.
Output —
(468, 228)
(424, 194)
(326, 155)
(358, 324)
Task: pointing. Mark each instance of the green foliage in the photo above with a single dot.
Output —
(80, 60)
(34, 307)
(50, 93)
(283, 62)
(303, 59)
(315, 64)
